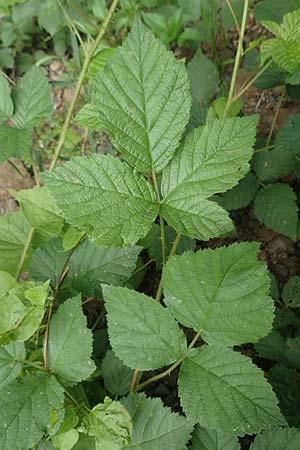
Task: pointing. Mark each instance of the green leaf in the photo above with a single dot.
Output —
(143, 100)
(156, 427)
(223, 292)
(217, 379)
(40, 210)
(110, 424)
(284, 53)
(70, 343)
(142, 333)
(204, 439)
(99, 61)
(30, 408)
(212, 159)
(274, 9)
(277, 439)
(50, 16)
(10, 365)
(88, 117)
(71, 238)
(285, 382)
(272, 346)
(276, 207)
(67, 440)
(13, 142)
(105, 197)
(12, 311)
(32, 98)
(291, 292)
(7, 282)
(6, 104)
(241, 195)
(14, 230)
(117, 377)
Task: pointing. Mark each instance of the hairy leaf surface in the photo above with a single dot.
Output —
(212, 159)
(277, 439)
(156, 427)
(142, 333)
(223, 292)
(105, 197)
(205, 439)
(143, 100)
(224, 391)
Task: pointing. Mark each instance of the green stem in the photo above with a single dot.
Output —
(251, 82)
(263, 149)
(172, 253)
(233, 16)
(80, 82)
(171, 368)
(238, 58)
(24, 253)
(275, 117)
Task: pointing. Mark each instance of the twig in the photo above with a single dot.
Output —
(24, 253)
(275, 116)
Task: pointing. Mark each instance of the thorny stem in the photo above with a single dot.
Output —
(24, 253)
(61, 278)
(171, 368)
(80, 82)
(238, 58)
(275, 116)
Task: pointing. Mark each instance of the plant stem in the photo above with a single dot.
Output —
(263, 149)
(248, 85)
(172, 253)
(24, 253)
(80, 82)
(275, 117)
(234, 16)
(161, 221)
(238, 58)
(171, 368)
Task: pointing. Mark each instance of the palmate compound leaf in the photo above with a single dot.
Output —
(223, 292)
(14, 230)
(156, 427)
(205, 439)
(105, 197)
(70, 343)
(223, 390)
(143, 100)
(30, 408)
(277, 439)
(142, 333)
(32, 98)
(212, 159)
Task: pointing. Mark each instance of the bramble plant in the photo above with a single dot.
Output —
(181, 163)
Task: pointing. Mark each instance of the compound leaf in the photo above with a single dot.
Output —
(223, 390)
(6, 104)
(156, 427)
(212, 159)
(13, 142)
(14, 230)
(223, 292)
(70, 343)
(204, 439)
(143, 100)
(30, 408)
(10, 365)
(276, 207)
(32, 98)
(142, 333)
(105, 197)
(277, 439)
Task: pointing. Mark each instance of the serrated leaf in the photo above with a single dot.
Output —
(10, 362)
(40, 210)
(212, 159)
(110, 424)
(70, 343)
(291, 292)
(213, 379)
(13, 142)
(205, 439)
(67, 440)
(99, 61)
(285, 382)
(88, 117)
(143, 100)
(241, 195)
(276, 207)
(284, 53)
(223, 292)
(277, 439)
(14, 230)
(6, 104)
(272, 346)
(30, 408)
(105, 197)
(71, 238)
(32, 98)
(142, 333)
(117, 377)
(274, 9)
(156, 427)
